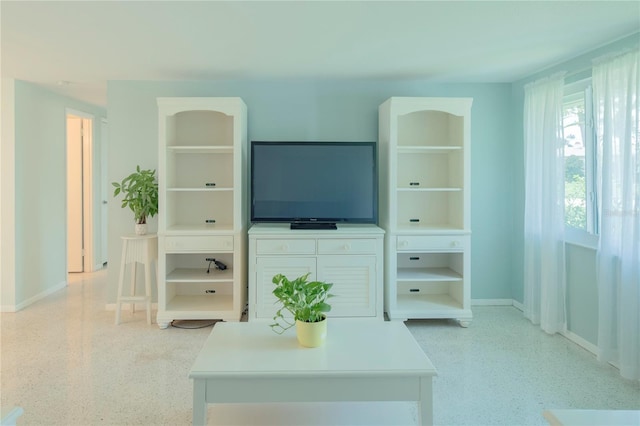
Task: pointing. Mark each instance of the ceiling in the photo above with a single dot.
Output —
(75, 47)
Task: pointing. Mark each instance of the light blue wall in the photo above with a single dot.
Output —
(582, 299)
(40, 188)
(335, 110)
(582, 292)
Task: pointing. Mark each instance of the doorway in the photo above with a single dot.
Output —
(79, 192)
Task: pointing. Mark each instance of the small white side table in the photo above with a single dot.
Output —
(137, 249)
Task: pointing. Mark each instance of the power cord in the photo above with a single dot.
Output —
(218, 265)
(192, 324)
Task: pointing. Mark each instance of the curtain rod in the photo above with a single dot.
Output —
(579, 71)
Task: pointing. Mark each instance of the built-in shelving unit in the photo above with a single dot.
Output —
(202, 208)
(424, 207)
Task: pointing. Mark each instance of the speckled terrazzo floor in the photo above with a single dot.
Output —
(65, 362)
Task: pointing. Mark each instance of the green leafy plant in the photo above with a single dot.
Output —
(305, 300)
(140, 191)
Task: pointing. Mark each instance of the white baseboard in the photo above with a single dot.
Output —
(34, 299)
(497, 302)
(518, 305)
(491, 302)
(581, 342)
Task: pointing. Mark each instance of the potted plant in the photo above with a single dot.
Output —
(306, 301)
(140, 191)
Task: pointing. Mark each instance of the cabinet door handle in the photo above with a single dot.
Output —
(209, 184)
(210, 221)
(347, 247)
(414, 183)
(285, 247)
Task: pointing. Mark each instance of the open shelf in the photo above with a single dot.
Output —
(199, 189)
(200, 128)
(430, 169)
(428, 274)
(431, 209)
(202, 306)
(193, 209)
(200, 167)
(409, 189)
(429, 229)
(433, 303)
(430, 128)
(200, 275)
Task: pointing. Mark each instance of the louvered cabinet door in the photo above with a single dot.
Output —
(267, 304)
(354, 279)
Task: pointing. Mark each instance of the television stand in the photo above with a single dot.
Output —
(351, 258)
(313, 225)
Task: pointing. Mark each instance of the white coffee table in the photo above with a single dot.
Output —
(362, 360)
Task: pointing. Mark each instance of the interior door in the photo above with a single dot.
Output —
(75, 261)
(105, 192)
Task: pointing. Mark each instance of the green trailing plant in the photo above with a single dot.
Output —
(140, 190)
(305, 300)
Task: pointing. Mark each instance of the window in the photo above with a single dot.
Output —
(580, 164)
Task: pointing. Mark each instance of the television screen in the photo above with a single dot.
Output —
(314, 182)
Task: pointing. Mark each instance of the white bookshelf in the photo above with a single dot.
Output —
(424, 202)
(202, 211)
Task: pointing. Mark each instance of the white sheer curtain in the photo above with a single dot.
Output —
(616, 91)
(544, 264)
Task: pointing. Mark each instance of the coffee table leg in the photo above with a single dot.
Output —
(426, 401)
(199, 402)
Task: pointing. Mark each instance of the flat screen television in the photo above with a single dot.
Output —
(314, 185)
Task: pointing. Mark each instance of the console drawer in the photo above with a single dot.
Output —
(436, 242)
(264, 246)
(347, 246)
(199, 243)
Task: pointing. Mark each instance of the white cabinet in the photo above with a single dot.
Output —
(350, 257)
(202, 208)
(424, 207)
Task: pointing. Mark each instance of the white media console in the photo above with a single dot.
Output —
(350, 257)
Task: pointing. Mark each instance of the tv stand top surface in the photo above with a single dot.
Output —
(342, 228)
(313, 225)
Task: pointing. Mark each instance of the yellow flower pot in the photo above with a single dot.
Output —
(311, 334)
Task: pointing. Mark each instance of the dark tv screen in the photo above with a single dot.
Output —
(314, 182)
